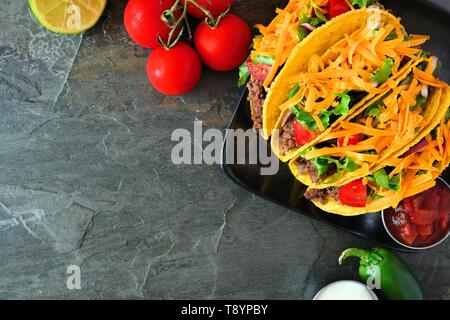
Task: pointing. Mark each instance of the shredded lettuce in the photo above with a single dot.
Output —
(438, 67)
(420, 102)
(293, 91)
(264, 60)
(381, 178)
(308, 121)
(302, 33)
(315, 22)
(382, 73)
(375, 109)
(392, 35)
(363, 3)
(320, 15)
(244, 74)
(343, 108)
(322, 164)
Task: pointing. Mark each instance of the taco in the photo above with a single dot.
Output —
(376, 131)
(275, 43)
(396, 178)
(314, 92)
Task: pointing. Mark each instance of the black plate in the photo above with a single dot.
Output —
(282, 188)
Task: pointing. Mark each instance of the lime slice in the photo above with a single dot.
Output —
(67, 16)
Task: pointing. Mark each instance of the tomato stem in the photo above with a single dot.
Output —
(168, 17)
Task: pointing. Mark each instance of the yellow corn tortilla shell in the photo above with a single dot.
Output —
(332, 206)
(317, 42)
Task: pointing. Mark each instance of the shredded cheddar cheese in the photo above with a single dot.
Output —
(280, 37)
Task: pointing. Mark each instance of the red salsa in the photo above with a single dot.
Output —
(421, 220)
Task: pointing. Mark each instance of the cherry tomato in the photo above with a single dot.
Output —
(303, 135)
(216, 7)
(143, 21)
(224, 47)
(174, 71)
(352, 140)
(354, 194)
(337, 7)
(259, 71)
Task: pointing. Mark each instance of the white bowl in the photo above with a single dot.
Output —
(342, 287)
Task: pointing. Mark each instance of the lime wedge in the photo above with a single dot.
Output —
(67, 16)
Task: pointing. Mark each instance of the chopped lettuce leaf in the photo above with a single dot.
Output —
(244, 74)
(392, 35)
(375, 109)
(308, 121)
(420, 102)
(447, 115)
(381, 178)
(407, 37)
(438, 67)
(293, 91)
(383, 72)
(304, 18)
(320, 15)
(302, 33)
(362, 3)
(373, 195)
(315, 22)
(322, 164)
(343, 108)
(264, 60)
(407, 80)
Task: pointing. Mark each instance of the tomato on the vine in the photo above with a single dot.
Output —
(216, 7)
(174, 71)
(224, 47)
(143, 22)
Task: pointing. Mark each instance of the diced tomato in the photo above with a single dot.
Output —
(425, 231)
(399, 217)
(303, 135)
(443, 219)
(407, 204)
(408, 233)
(259, 71)
(352, 140)
(431, 201)
(337, 7)
(423, 217)
(354, 194)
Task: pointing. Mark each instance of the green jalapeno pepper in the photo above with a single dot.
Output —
(395, 280)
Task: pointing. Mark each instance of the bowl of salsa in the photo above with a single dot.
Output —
(421, 221)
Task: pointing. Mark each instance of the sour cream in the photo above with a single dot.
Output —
(345, 290)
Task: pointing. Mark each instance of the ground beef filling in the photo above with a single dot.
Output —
(287, 136)
(322, 195)
(256, 96)
(307, 167)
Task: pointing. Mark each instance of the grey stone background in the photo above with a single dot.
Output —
(86, 179)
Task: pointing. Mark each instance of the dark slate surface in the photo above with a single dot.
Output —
(86, 179)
